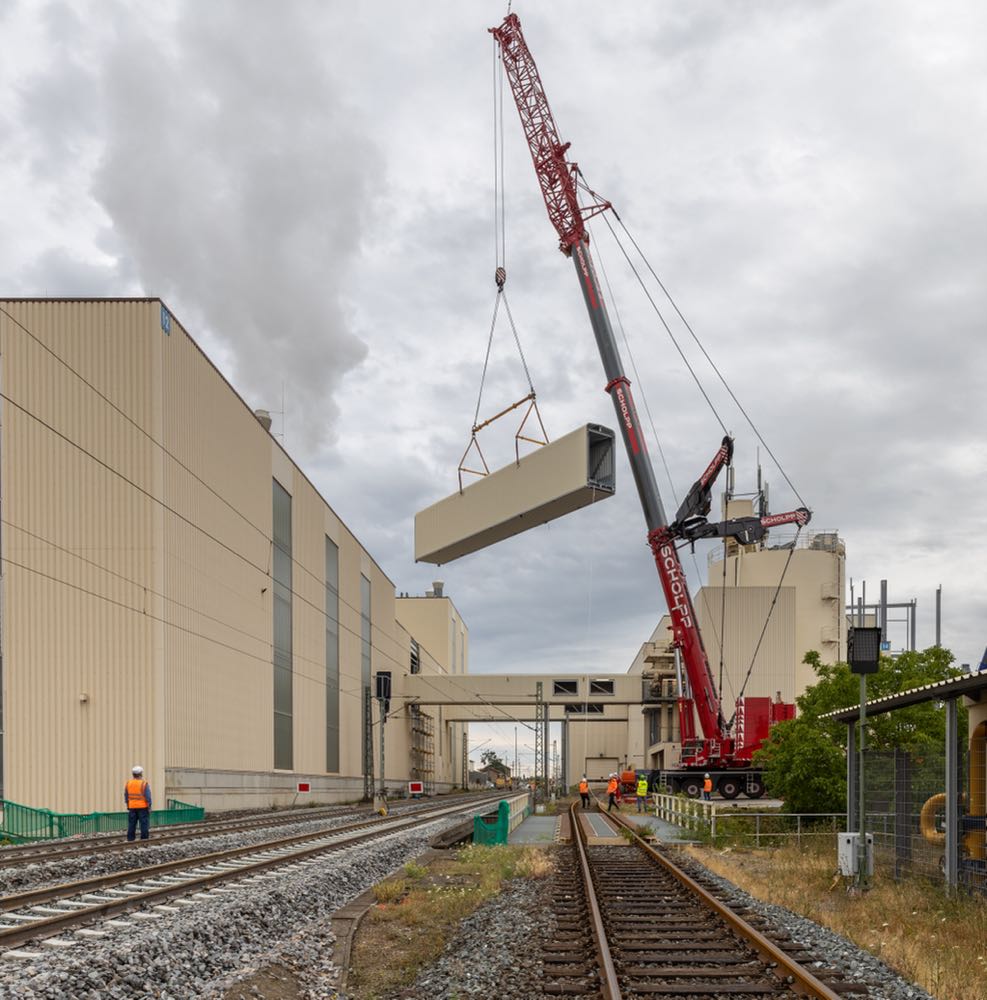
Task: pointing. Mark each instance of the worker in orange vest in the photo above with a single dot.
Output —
(612, 792)
(584, 791)
(137, 795)
(707, 787)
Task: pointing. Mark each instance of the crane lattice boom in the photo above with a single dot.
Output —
(556, 175)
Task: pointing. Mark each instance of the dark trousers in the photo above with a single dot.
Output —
(585, 797)
(612, 802)
(143, 816)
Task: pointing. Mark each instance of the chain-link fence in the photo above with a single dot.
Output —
(905, 805)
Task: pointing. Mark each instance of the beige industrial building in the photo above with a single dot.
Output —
(612, 721)
(177, 593)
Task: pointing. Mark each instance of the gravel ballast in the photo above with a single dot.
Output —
(207, 947)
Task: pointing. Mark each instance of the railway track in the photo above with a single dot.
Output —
(141, 893)
(633, 924)
(60, 850)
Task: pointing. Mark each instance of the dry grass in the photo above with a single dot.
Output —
(419, 911)
(937, 942)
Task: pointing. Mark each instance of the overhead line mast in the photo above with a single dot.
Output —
(557, 179)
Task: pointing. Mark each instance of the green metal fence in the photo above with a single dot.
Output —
(492, 828)
(23, 823)
(496, 827)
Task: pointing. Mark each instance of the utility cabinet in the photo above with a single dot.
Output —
(556, 479)
(848, 854)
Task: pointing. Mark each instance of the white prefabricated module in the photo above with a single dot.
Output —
(572, 472)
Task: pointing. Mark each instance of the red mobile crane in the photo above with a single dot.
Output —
(719, 749)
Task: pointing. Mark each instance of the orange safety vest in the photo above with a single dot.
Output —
(135, 794)
(611, 786)
(708, 785)
(583, 787)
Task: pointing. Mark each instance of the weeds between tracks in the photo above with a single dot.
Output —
(419, 910)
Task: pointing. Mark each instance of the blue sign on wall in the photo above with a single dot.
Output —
(166, 321)
(885, 645)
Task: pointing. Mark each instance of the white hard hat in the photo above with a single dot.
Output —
(137, 769)
(706, 775)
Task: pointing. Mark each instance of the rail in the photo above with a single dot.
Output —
(609, 984)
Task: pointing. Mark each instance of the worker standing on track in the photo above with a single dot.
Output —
(642, 792)
(137, 795)
(707, 787)
(612, 792)
(584, 791)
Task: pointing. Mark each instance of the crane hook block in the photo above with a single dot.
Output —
(500, 276)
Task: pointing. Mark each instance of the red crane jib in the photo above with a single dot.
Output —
(557, 178)
(555, 173)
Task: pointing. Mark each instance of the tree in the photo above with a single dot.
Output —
(804, 760)
(491, 759)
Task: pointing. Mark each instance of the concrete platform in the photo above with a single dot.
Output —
(599, 830)
(537, 829)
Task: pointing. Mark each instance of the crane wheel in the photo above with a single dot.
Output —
(754, 789)
(729, 788)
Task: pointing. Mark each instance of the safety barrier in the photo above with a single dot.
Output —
(689, 814)
(495, 827)
(23, 823)
(759, 828)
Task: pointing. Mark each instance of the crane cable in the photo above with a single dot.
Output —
(654, 431)
(500, 234)
(661, 285)
(705, 354)
(767, 620)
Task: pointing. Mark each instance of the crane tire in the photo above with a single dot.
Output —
(754, 788)
(692, 787)
(729, 788)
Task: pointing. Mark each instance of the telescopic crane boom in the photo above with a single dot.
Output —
(557, 178)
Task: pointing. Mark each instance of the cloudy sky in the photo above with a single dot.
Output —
(309, 185)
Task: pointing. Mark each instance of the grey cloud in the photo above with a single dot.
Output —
(237, 181)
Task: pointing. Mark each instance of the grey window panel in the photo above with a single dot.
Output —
(282, 516)
(565, 687)
(282, 567)
(582, 708)
(332, 565)
(282, 690)
(556, 479)
(601, 687)
(283, 757)
(282, 626)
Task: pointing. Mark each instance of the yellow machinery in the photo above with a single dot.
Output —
(974, 822)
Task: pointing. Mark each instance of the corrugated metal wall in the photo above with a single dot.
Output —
(77, 549)
(136, 491)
